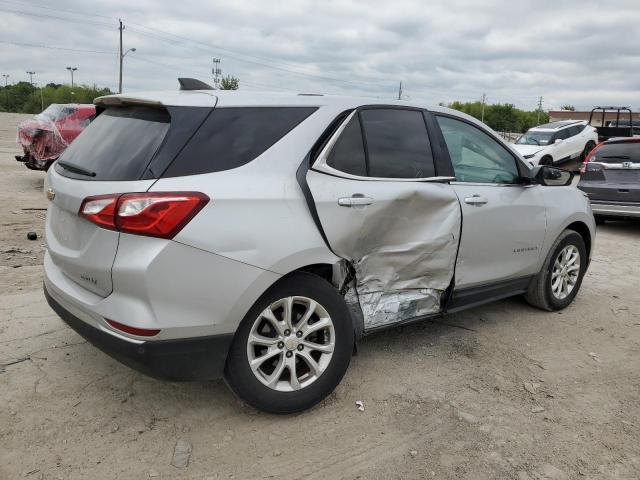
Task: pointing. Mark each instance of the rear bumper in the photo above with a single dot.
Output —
(200, 358)
(617, 209)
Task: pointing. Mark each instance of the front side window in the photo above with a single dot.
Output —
(397, 143)
(476, 156)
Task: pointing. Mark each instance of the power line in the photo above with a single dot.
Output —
(64, 19)
(51, 47)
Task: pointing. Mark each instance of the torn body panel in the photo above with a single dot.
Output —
(402, 246)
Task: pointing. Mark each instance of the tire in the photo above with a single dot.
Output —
(599, 219)
(546, 160)
(541, 293)
(587, 148)
(266, 320)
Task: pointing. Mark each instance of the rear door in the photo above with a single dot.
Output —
(384, 206)
(109, 157)
(504, 220)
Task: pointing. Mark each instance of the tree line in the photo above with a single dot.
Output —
(23, 97)
(502, 117)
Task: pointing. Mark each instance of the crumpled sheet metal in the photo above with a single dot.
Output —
(405, 256)
(41, 138)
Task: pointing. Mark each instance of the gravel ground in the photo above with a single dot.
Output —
(501, 391)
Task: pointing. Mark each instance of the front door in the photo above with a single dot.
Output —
(384, 210)
(504, 220)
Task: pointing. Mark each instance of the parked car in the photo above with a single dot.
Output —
(45, 136)
(635, 124)
(610, 176)
(201, 234)
(557, 142)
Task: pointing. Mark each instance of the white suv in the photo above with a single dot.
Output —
(197, 234)
(557, 142)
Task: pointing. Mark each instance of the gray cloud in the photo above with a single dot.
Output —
(577, 51)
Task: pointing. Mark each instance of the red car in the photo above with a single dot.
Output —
(45, 136)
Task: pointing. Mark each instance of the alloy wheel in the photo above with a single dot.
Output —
(291, 343)
(565, 273)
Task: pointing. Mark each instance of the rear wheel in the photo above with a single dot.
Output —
(557, 284)
(293, 347)
(587, 148)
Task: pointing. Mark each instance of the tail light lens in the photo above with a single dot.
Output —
(589, 157)
(153, 214)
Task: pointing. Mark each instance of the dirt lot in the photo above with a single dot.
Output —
(502, 391)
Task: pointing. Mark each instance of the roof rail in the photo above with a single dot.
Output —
(193, 84)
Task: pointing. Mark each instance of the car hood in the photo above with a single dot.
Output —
(528, 149)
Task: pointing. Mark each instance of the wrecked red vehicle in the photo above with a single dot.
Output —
(45, 136)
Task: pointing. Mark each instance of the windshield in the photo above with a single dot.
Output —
(533, 137)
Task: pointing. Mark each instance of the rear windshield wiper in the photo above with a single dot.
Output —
(76, 169)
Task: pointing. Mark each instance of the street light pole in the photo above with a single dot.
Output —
(72, 69)
(6, 88)
(122, 55)
(31, 74)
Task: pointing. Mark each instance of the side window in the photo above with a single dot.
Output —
(476, 157)
(397, 143)
(347, 155)
(575, 130)
(563, 134)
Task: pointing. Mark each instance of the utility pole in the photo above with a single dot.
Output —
(217, 72)
(6, 88)
(31, 74)
(539, 109)
(400, 91)
(71, 70)
(484, 100)
(122, 55)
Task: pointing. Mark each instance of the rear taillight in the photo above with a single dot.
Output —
(589, 157)
(141, 332)
(161, 214)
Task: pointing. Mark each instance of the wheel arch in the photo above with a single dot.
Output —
(583, 230)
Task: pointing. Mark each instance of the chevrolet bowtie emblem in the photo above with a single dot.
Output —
(51, 194)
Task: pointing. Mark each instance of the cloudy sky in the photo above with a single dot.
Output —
(577, 52)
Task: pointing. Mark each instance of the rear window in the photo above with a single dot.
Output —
(618, 153)
(118, 145)
(232, 137)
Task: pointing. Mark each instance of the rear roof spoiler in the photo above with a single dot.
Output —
(193, 84)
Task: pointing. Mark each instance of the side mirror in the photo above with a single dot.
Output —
(552, 176)
(557, 140)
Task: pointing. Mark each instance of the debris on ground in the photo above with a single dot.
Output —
(595, 357)
(181, 454)
(360, 405)
(32, 235)
(413, 453)
(538, 409)
(531, 387)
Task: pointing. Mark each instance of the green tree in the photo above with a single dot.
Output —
(502, 117)
(25, 98)
(229, 82)
(570, 108)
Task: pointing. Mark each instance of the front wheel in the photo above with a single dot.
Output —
(293, 347)
(557, 284)
(546, 160)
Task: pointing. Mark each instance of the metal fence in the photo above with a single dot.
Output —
(509, 136)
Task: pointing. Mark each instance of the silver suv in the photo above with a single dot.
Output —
(200, 234)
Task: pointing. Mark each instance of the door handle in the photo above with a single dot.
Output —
(356, 200)
(476, 200)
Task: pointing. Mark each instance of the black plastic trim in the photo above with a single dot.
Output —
(464, 298)
(199, 358)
